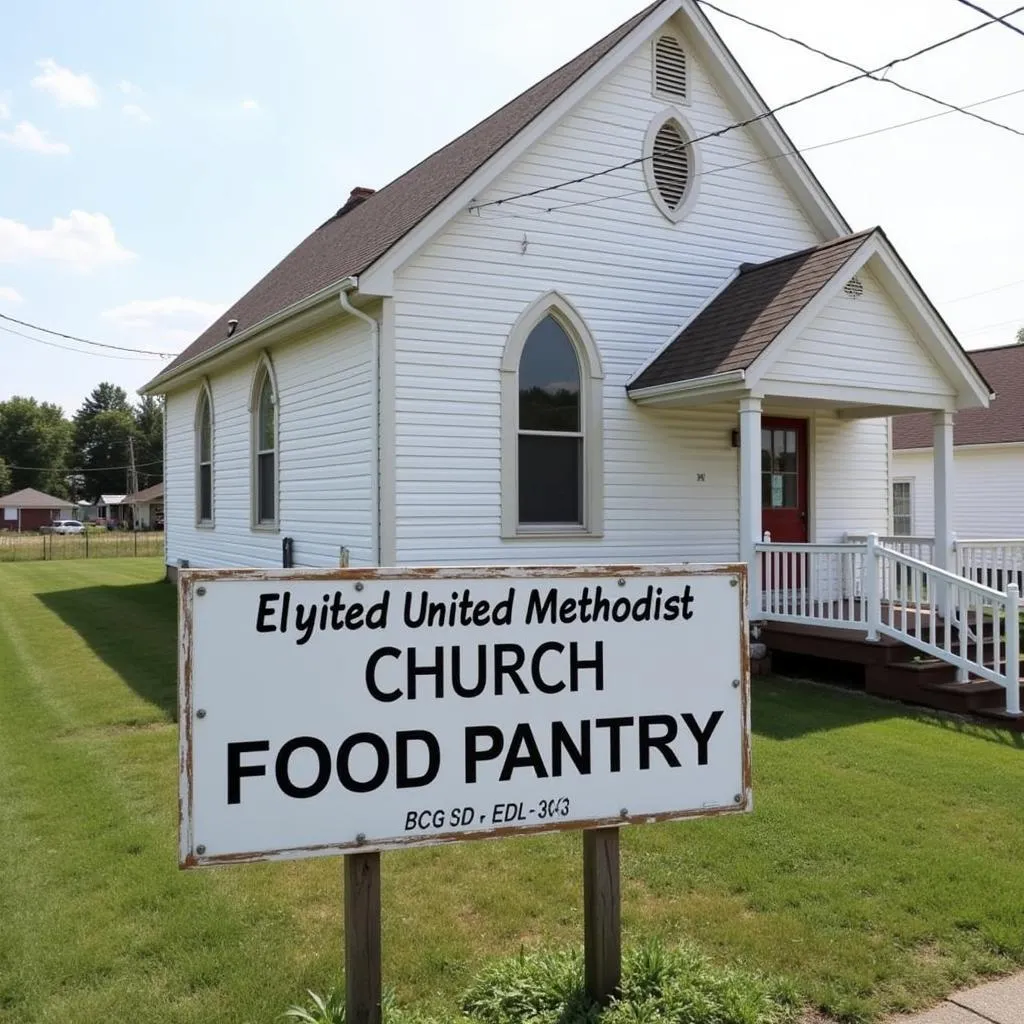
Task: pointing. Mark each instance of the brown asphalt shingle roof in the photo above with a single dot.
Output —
(29, 497)
(749, 313)
(152, 493)
(1000, 423)
(346, 245)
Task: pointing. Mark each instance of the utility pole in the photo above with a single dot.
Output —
(133, 483)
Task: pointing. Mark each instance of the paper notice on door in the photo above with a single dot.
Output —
(777, 490)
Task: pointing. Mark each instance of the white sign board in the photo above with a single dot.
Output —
(332, 711)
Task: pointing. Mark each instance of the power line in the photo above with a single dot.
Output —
(1001, 18)
(86, 341)
(987, 291)
(744, 123)
(857, 67)
(68, 348)
(765, 159)
(991, 327)
(75, 472)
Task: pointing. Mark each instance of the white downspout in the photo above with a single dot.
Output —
(347, 286)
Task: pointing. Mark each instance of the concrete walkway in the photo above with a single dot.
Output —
(998, 1002)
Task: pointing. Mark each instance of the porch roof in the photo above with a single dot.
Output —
(748, 314)
(739, 343)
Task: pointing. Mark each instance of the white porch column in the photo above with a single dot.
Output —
(750, 493)
(943, 483)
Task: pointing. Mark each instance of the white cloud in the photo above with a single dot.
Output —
(250, 104)
(134, 110)
(128, 88)
(5, 111)
(168, 314)
(28, 136)
(82, 240)
(67, 88)
(9, 295)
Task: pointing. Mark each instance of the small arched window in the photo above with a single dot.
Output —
(670, 165)
(265, 427)
(551, 445)
(204, 458)
(551, 431)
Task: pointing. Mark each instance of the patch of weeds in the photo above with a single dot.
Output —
(659, 986)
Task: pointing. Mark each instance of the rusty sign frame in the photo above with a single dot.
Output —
(192, 856)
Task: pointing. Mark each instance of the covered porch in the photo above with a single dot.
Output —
(836, 340)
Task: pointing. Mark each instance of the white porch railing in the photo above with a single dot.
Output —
(996, 563)
(871, 587)
(921, 548)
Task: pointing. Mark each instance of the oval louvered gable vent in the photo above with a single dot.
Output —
(669, 67)
(671, 164)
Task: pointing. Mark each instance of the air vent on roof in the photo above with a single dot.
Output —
(669, 67)
(671, 164)
(854, 287)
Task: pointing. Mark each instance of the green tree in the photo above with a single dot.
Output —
(149, 448)
(1020, 336)
(5, 478)
(35, 443)
(103, 426)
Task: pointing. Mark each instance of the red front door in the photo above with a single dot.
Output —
(784, 480)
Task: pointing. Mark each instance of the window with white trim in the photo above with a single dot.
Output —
(903, 508)
(552, 480)
(204, 458)
(551, 434)
(265, 429)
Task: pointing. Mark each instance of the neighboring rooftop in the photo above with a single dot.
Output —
(371, 222)
(1001, 423)
(29, 497)
(143, 497)
(749, 313)
(111, 499)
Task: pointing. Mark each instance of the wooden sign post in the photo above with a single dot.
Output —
(362, 939)
(602, 916)
(351, 711)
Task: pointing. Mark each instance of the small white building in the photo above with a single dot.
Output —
(988, 458)
(145, 508)
(618, 320)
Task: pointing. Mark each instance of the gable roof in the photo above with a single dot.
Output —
(1001, 423)
(351, 241)
(153, 493)
(29, 497)
(748, 314)
(111, 499)
(362, 232)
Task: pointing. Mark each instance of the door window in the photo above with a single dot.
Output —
(779, 468)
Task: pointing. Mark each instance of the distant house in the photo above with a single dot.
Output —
(29, 509)
(109, 509)
(145, 508)
(85, 511)
(988, 459)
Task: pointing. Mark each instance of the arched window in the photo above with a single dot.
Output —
(204, 458)
(551, 458)
(264, 431)
(670, 165)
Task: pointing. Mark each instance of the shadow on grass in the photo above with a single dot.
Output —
(133, 629)
(824, 706)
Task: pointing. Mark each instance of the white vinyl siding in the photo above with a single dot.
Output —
(634, 277)
(863, 342)
(988, 490)
(323, 449)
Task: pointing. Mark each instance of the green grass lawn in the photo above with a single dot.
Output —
(882, 866)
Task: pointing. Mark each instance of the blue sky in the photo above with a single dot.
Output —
(156, 159)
